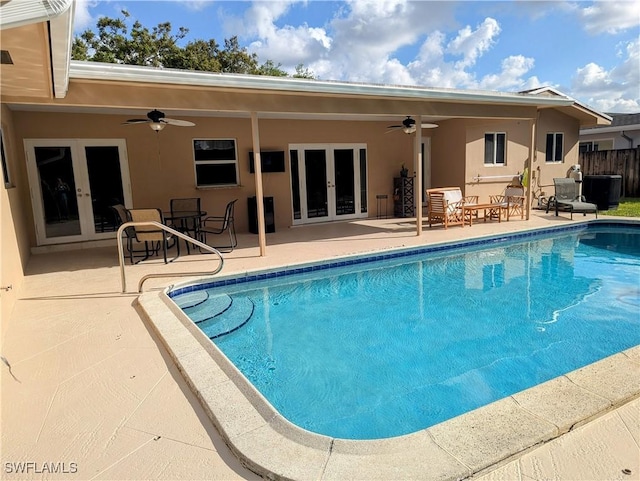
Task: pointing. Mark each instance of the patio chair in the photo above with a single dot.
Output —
(445, 206)
(153, 238)
(567, 199)
(513, 198)
(216, 225)
(134, 248)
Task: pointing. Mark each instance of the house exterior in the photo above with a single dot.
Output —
(325, 147)
(622, 133)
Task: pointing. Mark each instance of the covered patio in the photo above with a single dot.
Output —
(92, 387)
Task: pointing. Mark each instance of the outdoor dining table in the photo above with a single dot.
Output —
(187, 222)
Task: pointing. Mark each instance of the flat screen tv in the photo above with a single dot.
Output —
(271, 161)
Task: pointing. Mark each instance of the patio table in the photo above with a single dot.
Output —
(187, 222)
(491, 211)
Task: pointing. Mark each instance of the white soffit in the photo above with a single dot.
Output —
(128, 73)
(15, 13)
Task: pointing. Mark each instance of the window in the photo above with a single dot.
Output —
(5, 166)
(494, 148)
(216, 162)
(555, 147)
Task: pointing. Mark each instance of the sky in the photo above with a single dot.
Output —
(587, 50)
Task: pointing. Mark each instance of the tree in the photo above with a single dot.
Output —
(158, 47)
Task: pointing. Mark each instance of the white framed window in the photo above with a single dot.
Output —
(555, 147)
(495, 148)
(216, 162)
(6, 174)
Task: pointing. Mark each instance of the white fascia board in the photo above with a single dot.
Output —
(17, 13)
(129, 73)
(61, 40)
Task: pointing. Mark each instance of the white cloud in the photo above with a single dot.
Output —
(82, 16)
(610, 16)
(615, 90)
(471, 44)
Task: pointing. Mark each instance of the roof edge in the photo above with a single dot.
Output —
(18, 13)
(584, 106)
(83, 70)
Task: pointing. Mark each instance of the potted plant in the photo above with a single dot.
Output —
(404, 172)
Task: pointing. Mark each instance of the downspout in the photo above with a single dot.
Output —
(627, 138)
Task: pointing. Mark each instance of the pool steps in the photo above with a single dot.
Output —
(215, 315)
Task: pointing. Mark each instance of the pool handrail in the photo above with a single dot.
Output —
(166, 228)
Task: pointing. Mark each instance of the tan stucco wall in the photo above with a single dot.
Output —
(15, 221)
(554, 121)
(155, 179)
(161, 165)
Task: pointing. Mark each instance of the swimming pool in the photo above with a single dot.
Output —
(271, 330)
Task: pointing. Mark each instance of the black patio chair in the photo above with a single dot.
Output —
(216, 225)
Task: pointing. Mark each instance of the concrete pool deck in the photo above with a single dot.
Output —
(93, 384)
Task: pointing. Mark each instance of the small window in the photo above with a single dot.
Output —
(5, 164)
(495, 148)
(216, 162)
(555, 147)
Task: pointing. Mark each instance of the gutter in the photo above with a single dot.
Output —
(627, 138)
(80, 70)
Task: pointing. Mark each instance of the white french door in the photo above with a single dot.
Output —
(328, 182)
(73, 183)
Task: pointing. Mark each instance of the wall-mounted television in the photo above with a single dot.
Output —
(271, 161)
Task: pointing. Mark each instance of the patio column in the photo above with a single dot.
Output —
(257, 163)
(417, 156)
(532, 154)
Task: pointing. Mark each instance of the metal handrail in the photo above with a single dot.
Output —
(175, 274)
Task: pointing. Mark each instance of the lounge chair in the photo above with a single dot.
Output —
(445, 206)
(566, 198)
(513, 198)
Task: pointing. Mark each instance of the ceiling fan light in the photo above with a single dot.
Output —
(409, 130)
(157, 126)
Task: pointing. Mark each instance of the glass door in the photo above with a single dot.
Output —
(73, 184)
(328, 182)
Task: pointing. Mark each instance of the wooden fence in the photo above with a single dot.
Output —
(624, 162)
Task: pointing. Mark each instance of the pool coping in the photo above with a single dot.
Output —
(269, 445)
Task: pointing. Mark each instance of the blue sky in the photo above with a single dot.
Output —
(588, 50)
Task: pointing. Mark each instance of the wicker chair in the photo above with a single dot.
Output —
(445, 206)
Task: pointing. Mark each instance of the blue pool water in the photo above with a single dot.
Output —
(389, 347)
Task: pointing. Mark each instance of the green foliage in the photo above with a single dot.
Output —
(112, 42)
(629, 207)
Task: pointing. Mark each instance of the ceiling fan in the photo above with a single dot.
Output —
(409, 126)
(157, 121)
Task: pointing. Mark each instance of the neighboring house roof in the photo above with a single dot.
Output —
(619, 123)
